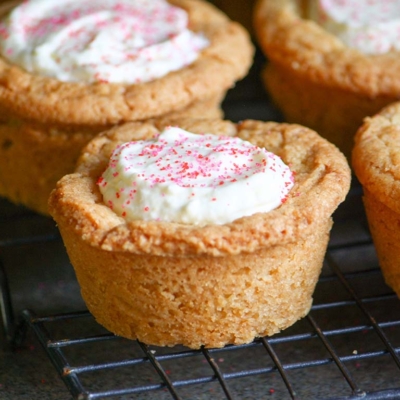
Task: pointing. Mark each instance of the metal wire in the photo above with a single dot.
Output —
(343, 369)
(158, 367)
(371, 318)
(6, 309)
(218, 373)
(280, 367)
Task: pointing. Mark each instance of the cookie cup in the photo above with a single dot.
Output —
(34, 155)
(168, 283)
(44, 123)
(376, 160)
(315, 79)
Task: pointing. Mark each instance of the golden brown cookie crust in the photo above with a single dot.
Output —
(333, 113)
(376, 161)
(322, 181)
(203, 300)
(384, 226)
(376, 156)
(48, 100)
(311, 52)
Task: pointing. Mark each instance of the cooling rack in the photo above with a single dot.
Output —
(346, 348)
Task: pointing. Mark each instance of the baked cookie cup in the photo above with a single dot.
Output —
(45, 122)
(376, 163)
(315, 79)
(168, 283)
(35, 155)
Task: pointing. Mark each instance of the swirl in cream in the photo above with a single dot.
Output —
(193, 179)
(118, 41)
(371, 26)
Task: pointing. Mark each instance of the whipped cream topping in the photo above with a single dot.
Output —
(118, 41)
(194, 179)
(371, 26)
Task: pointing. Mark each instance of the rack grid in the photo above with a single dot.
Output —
(346, 348)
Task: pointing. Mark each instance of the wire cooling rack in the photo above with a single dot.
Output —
(346, 348)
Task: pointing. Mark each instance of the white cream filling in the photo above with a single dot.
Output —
(193, 179)
(119, 41)
(371, 26)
